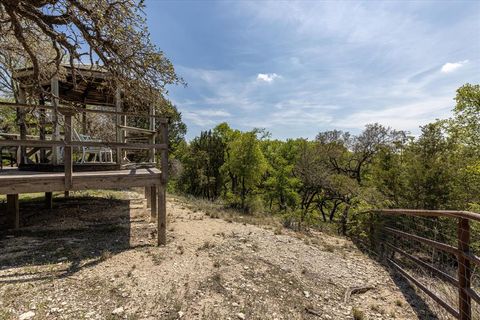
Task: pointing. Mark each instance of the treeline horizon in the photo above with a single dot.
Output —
(337, 174)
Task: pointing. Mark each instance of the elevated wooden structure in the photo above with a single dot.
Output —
(56, 169)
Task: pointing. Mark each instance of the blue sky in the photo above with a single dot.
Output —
(298, 68)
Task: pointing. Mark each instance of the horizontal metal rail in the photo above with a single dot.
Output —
(433, 243)
(421, 286)
(431, 268)
(462, 251)
(431, 213)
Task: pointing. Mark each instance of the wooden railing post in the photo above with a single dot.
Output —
(67, 157)
(161, 194)
(151, 122)
(118, 123)
(464, 270)
(55, 91)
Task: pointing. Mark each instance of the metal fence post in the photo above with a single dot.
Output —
(464, 270)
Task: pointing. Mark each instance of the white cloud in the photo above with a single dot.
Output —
(205, 117)
(267, 77)
(452, 66)
(406, 116)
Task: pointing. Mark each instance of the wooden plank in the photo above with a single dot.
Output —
(49, 200)
(464, 270)
(127, 128)
(153, 203)
(473, 294)
(470, 256)
(161, 216)
(422, 287)
(13, 211)
(51, 143)
(25, 182)
(159, 118)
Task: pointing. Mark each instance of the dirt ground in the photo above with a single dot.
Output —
(95, 258)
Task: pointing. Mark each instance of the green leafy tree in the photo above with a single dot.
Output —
(247, 164)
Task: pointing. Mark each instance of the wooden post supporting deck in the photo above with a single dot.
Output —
(49, 200)
(118, 122)
(153, 203)
(42, 130)
(68, 161)
(13, 211)
(162, 200)
(148, 196)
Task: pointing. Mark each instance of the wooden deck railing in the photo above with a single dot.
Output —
(462, 252)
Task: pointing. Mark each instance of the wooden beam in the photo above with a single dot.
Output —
(22, 98)
(127, 128)
(152, 127)
(159, 118)
(164, 152)
(148, 193)
(52, 143)
(13, 211)
(68, 161)
(118, 123)
(26, 182)
(55, 90)
(161, 216)
(42, 126)
(49, 200)
(153, 203)
(84, 121)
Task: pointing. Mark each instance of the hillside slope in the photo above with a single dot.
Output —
(94, 258)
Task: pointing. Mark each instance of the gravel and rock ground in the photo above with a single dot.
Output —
(95, 258)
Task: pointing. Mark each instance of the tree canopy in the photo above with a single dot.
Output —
(107, 34)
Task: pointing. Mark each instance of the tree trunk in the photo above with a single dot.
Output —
(344, 220)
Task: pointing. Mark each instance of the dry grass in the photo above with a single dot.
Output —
(217, 210)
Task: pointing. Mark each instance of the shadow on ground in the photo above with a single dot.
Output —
(417, 302)
(82, 231)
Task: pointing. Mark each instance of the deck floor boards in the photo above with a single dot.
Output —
(14, 181)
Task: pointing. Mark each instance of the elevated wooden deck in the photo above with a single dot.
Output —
(14, 181)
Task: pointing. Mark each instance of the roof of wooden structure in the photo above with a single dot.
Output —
(91, 84)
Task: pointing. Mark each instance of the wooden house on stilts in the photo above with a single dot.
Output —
(62, 156)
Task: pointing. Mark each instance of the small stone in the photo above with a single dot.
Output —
(241, 315)
(180, 314)
(27, 315)
(118, 310)
(234, 304)
(307, 294)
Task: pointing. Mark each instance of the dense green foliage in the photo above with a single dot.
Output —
(338, 175)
